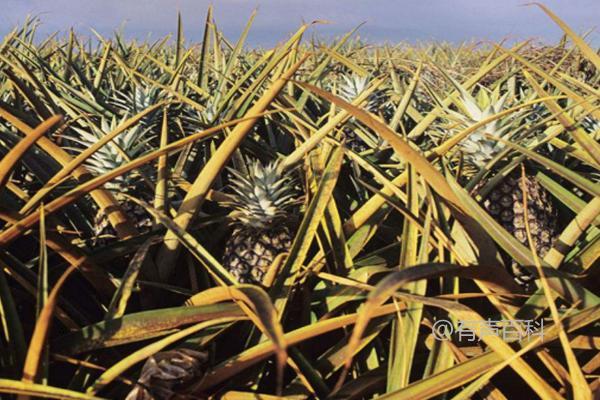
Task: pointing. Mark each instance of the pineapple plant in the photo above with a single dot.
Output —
(125, 146)
(193, 120)
(121, 331)
(137, 100)
(421, 99)
(504, 201)
(350, 87)
(263, 223)
(592, 126)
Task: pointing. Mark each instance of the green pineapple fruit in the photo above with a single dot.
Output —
(262, 220)
(504, 202)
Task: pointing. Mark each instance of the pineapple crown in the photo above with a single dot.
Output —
(138, 99)
(262, 198)
(194, 119)
(592, 126)
(132, 143)
(351, 86)
(484, 107)
(477, 148)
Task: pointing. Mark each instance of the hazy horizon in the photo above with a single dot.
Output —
(385, 20)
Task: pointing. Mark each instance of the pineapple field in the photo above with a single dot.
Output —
(323, 219)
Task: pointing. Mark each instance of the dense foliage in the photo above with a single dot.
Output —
(183, 220)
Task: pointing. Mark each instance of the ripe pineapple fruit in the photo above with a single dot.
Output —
(504, 202)
(262, 219)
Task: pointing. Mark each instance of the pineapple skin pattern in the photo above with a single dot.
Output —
(504, 202)
(262, 220)
(250, 252)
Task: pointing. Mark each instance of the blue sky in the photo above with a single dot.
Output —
(386, 20)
